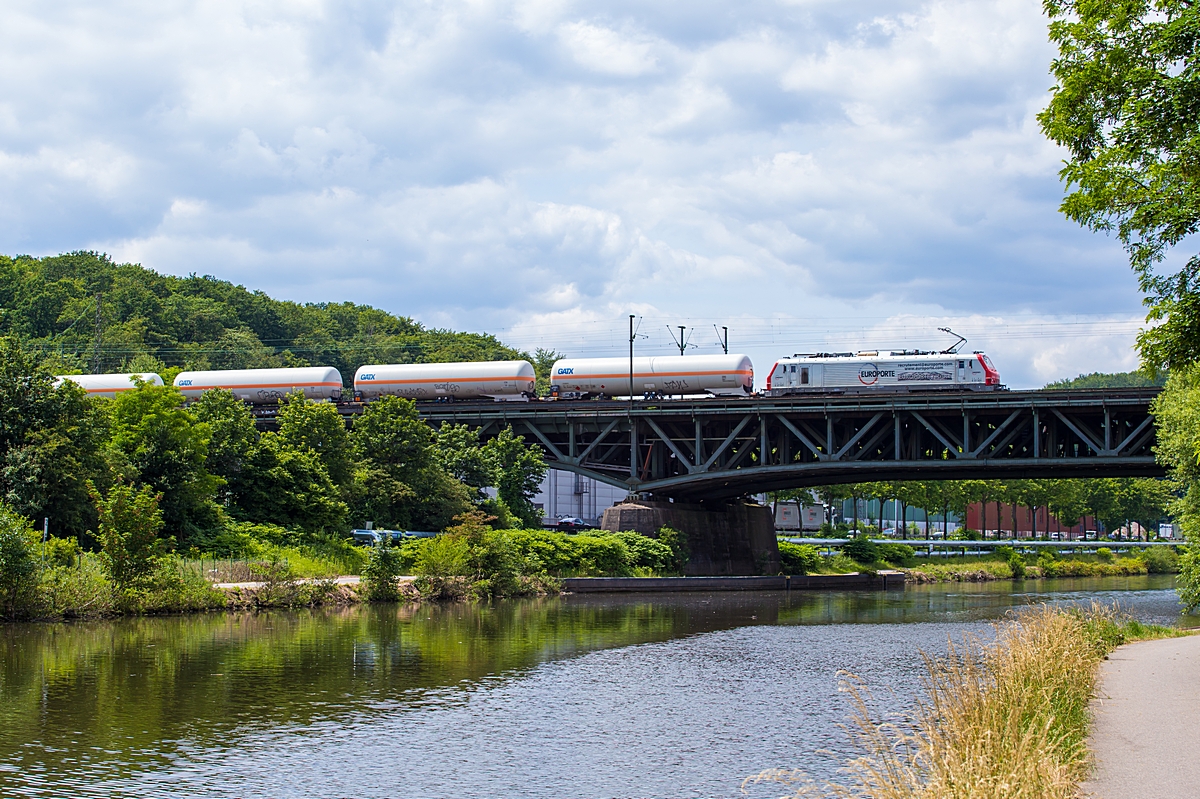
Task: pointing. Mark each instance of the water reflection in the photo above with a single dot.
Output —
(584, 695)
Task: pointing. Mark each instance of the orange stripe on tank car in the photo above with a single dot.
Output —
(648, 375)
(438, 380)
(258, 385)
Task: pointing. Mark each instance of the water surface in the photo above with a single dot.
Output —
(580, 696)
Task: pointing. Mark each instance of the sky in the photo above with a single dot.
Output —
(812, 175)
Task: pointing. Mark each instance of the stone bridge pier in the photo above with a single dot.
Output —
(724, 538)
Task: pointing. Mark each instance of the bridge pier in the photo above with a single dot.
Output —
(735, 538)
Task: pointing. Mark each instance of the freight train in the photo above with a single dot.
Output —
(590, 378)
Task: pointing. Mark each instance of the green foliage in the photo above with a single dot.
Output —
(798, 558)
(519, 470)
(18, 567)
(1160, 560)
(1013, 559)
(601, 555)
(1117, 380)
(861, 550)
(130, 521)
(201, 322)
(1104, 554)
(316, 427)
(1123, 109)
(898, 554)
(155, 442)
(677, 542)
(646, 552)
(288, 487)
(51, 443)
(61, 551)
(232, 436)
(382, 571)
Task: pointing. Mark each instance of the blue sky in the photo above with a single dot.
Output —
(812, 175)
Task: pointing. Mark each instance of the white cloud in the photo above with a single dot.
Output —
(798, 172)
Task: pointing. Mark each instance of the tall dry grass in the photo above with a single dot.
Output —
(1008, 720)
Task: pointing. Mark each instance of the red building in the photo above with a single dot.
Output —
(998, 516)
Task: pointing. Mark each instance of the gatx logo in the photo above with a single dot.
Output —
(366, 377)
(566, 370)
(870, 373)
(185, 382)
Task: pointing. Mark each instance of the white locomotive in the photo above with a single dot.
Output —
(499, 380)
(264, 386)
(722, 375)
(881, 371)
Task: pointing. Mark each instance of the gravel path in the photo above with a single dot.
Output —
(1146, 731)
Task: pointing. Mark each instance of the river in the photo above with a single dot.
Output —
(579, 696)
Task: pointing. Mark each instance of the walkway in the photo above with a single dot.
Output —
(1146, 731)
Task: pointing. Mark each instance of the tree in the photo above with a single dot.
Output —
(18, 569)
(459, 452)
(1127, 108)
(51, 443)
(231, 435)
(519, 474)
(318, 428)
(389, 433)
(279, 484)
(130, 523)
(156, 442)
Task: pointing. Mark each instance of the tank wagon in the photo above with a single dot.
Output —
(110, 385)
(498, 380)
(878, 371)
(264, 386)
(722, 375)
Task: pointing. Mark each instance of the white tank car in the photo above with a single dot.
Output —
(265, 386)
(724, 375)
(881, 371)
(499, 380)
(109, 385)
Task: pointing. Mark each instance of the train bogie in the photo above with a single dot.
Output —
(722, 375)
(881, 371)
(110, 385)
(265, 386)
(472, 380)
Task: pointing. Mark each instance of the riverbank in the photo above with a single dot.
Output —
(1008, 720)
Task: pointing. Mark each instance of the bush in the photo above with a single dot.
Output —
(130, 521)
(18, 567)
(898, 554)
(646, 552)
(1160, 560)
(1105, 554)
(862, 550)
(1016, 563)
(798, 558)
(841, 564)
(677, 542)
(382, 570)
(602, 555)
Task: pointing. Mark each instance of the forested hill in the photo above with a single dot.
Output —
(153, 322)
(1115, 380)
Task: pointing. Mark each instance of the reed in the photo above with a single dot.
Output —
(1008, 720)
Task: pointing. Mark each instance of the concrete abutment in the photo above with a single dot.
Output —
(736, 538)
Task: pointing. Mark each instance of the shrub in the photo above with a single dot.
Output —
(382, 570)
(18, 567)
(677, 542)
(1105, 554)
(899, 554)
(602, 554)
(862, 550)
(79, 590)
(646, 552)
(130, 521)
(1160, 560)
(840, 564)
(798, 558)
(1016, 563)
(546, 551)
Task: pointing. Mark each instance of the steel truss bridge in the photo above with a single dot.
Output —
(722, 448)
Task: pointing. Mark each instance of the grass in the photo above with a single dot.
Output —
(1002, 721)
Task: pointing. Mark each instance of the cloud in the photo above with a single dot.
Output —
(806, 168)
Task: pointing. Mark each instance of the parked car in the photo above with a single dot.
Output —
(372, 537)
(573, 523)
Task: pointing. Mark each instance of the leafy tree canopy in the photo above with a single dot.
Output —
(1127, 109)
(1115, 380)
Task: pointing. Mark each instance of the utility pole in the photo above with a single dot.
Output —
(724, 341)
(96, 339)
(682, 341)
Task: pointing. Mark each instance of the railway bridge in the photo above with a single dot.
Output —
(715, 449)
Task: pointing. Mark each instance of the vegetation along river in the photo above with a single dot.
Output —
(597, 696)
